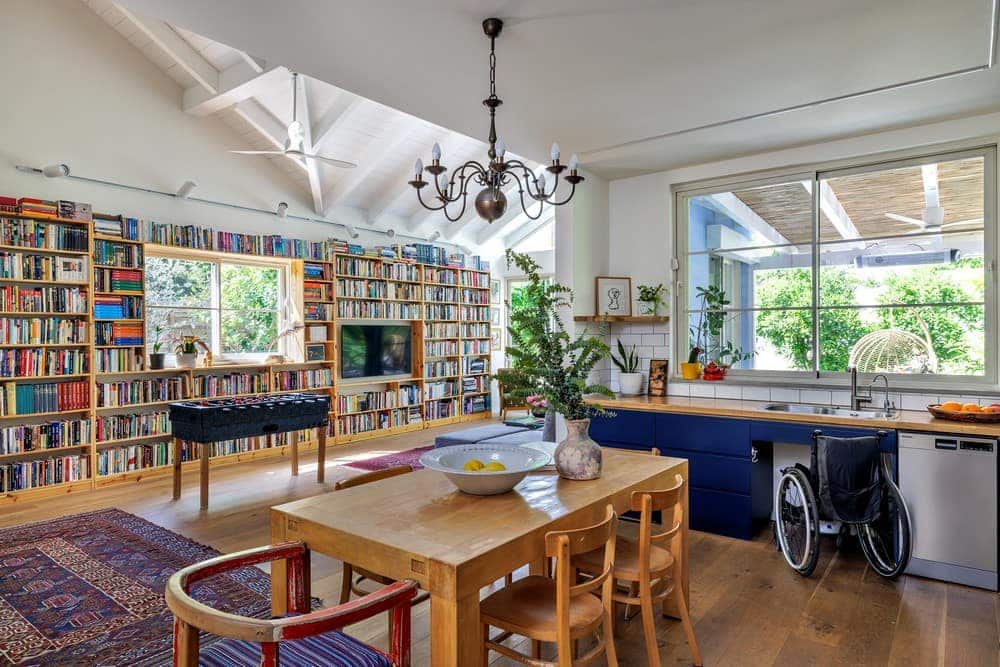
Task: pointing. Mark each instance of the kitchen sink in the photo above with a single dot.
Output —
(826, 410)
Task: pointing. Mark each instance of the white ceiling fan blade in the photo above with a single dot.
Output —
(343, 164)
(970, 221)
(258, 152)
(903, 218)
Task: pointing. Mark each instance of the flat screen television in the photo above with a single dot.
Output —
(374, 350)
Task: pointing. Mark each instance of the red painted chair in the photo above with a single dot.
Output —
(307, 638)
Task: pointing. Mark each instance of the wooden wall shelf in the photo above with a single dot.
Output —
(633, 319)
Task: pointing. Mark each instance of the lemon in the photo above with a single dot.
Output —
(473, 465)
(495, 466)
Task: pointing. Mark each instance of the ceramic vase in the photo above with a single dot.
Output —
(578, 457)
(630, 383)
(187, 359)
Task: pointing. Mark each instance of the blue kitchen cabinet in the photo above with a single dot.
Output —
(628, 429)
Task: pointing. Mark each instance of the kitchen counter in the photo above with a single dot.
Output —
(907, 420)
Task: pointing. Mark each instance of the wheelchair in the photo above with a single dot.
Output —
(848, 481)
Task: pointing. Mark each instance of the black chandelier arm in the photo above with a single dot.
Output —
(568, 197)
(420, 198)
(529, 179)
(461, 212)
(463, 181)
(524, 206)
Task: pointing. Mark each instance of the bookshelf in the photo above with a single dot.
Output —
(72, 337)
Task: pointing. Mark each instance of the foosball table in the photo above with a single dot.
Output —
(209, 421)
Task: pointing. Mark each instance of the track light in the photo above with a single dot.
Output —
(282, 209)
(55, 170)
(435, 236)
(352, 231)
(391, 233)
(185, 190)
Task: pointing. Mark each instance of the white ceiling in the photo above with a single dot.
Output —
(253, 95)
(633, 85)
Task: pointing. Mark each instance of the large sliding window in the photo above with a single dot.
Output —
(886, 267)
(233, 306)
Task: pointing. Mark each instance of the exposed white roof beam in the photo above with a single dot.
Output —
(177, 48)
(385, 146)
(258, 64)
(343, 106)
(267, 125)
(729, 204)
(834, 210)
(312, 168)
(236, 83)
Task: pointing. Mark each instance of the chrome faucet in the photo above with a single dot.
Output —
(887, 406)
(858, 398)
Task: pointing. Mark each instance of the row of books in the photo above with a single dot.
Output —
(117, 280)
(377, 289)
(134, 425)
(374, 421)
(132, 392)
(24, 266)
(271, 245)
(318, 312)
(313, 291)
(111, 307)
(477, 346)
(443, 276)
(440, 329)
(42, 331)
(125, 255)
(441, 348)
(40, 234)
(50, 435)
(358, 268)
(117, 361)
(36, 362)
(43, 299)
(475, 385)
(40, 207)
(434, 369)
(473, 404)
(443, 409)
(476, 313)
(207, 386)
(129, 458)
(439, 390)
(313, 378)
(474, 365)
(438, 311)
(475, 296)
(474, 279)
(23, 475)
(409, 394)
(400, 271)
(317, 271)
(382, 310)
(129, 229)
(182, 236)
(118, 333)
(475, 330)
(369, 400)
(440, 294)
(27, 399)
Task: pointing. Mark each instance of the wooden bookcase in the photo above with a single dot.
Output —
(122, 422)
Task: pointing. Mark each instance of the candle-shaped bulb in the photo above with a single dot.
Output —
(436, 151)
(541, 182)
(418, 167)
(554, 153)
(443, 179)
(573, 163)
(501, 148)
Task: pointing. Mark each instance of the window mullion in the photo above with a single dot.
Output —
(815, 273)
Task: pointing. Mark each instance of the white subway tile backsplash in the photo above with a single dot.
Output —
(751, 393)
(723, 390)
(661, 352)
(784, 395)
(678, 389)
(626, 339)
(653, 339)
(703, 390)
(818, 396)
(842, 398)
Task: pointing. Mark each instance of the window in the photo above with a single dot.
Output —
(885, 267)
(232, 306)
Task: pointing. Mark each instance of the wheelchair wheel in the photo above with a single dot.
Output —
(886, 541)
(797, 521)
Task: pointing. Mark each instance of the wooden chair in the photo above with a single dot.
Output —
(349, 584)
(646, 568)
(309, 638)
(507, 402)
(558, 611)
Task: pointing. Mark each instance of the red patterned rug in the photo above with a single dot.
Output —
(88, 589)
(409, 457)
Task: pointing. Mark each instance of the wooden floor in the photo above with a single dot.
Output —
(748, 607)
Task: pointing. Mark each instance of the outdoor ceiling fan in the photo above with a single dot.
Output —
(296, 138)
(933, 218)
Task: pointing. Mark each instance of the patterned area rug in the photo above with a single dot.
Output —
(88, 590)
(409, 457)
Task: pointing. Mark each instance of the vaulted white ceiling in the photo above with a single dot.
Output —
(253, 95)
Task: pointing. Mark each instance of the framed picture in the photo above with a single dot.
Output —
(613, 295)
(495, 335)
(658, 372)
(495, 291)
(495, 316)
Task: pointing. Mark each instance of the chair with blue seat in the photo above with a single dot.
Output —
(306, 638)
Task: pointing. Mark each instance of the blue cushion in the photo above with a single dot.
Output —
(331, 649)
(471, 436)
(523, 438)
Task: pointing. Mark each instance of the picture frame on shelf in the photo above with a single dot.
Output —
(658, 374)
(495, 316)
(495, 292)
(613, 295)
(496, 336)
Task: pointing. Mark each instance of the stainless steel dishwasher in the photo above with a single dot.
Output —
(950, 486)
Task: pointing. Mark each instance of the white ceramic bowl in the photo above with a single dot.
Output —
(518, 459)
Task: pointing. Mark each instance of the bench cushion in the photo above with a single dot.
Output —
(523, 438)
(471, 436)
(334, 649)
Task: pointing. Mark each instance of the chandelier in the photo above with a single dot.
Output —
(491, 202)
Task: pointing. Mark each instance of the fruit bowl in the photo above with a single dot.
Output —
(963, 415)
(518, 460)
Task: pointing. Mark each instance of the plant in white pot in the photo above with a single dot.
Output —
(627, 361)
(556, 364)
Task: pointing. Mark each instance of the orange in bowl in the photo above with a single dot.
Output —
(971, 407)
(952, 406)
(992, 409)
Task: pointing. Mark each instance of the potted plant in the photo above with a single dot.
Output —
(651, 299)
(627, 362)
(187, 352)
(156, 358)
(706, 339)
(537, 405)
(557, 364)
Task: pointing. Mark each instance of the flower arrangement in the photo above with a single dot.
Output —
(538, 404)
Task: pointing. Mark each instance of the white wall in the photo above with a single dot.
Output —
(80, 93)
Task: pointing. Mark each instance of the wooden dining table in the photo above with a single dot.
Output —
(419, 526)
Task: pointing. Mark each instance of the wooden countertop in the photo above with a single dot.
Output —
(906, 420)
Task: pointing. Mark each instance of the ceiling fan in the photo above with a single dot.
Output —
(296, 138)
(933, 217)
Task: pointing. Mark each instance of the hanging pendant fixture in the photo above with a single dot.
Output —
(490, 201)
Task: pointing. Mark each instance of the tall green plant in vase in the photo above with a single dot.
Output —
(551, 362)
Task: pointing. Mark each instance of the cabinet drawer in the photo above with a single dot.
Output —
(694, 433)
(628, 428)
(710, 471)
(721, 513)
